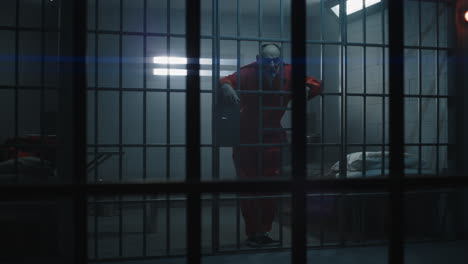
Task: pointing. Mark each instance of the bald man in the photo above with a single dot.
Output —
(255, 161)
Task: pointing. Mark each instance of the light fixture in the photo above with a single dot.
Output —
(182, 72)
(182, 60)
(466, 16)
(353, 6)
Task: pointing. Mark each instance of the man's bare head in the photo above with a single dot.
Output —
(270, 51)
(270, 60)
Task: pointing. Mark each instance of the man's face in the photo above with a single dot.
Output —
(270, 61)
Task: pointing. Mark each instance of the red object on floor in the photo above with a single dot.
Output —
(32, 146)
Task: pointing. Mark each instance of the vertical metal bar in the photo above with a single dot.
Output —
(280, 200)
(322, 113)
(215, 46)
(396, 71)
(420, 99)
(260, 96)
(298, 54)
(192, 19)
(120, 127)
(168, 129)
(96, 123)
(344, 83)
(364, 112)
(344, 114)
(238, 158)
(238, 224)
(437, 89)
(42, 91)
(145, 149)
(79, 149)
(16, 128)
(382, 21)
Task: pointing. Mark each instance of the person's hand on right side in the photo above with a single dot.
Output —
(229, 94)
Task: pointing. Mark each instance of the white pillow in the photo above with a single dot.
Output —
(354, 161)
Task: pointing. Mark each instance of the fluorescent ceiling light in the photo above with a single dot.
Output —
(182, 60)
(352, 6)
(182, 72)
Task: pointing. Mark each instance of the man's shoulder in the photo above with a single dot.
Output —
(251, 67)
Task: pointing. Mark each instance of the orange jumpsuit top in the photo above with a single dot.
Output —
(249, 103)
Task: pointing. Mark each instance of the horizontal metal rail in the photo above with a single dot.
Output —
(206, 199)
(25, 191)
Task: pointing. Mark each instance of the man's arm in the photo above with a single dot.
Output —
(313, 87)
(229, 94)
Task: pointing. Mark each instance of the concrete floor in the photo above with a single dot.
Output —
(425, 253)
(133, 242)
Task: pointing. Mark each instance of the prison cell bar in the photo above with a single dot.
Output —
(260, 101)
(120, 130)
(16, 83)
(215, 57)
(42, 79)
(96, 122)
(396, 83)
(383, 94)
(298, 54)
(437, 89)
(419, 90)
(281, 161)
(343, 113)
(168, 127)
(78, 172)
(364, 115)
(145, 148)
(322, 113)
(193, 221)
(238, 89)
(364, 80)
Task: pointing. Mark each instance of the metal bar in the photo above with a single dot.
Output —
(383, 31)
(437, 89)
(344, 90)
(280, 201)
(419, 89)
(168, 129)
(28, 29)
(364, 114)
(145, 108)
(42, 77)
(24, 87)
(266, 145)
(312, 186)
(120, 128)
(238, 88)
(143, 90)
(238, 222)
(215, 149)
(397, 183)
(260, 97)
(16, 118)
(96, 121)
(322, 115)
(298, 54)
(259, 92)
(344, 115)
(192, 19)
(284, 196)
(79, 149)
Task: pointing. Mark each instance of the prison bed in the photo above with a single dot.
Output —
(376, 163)
(25, 170)
(360, 217)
